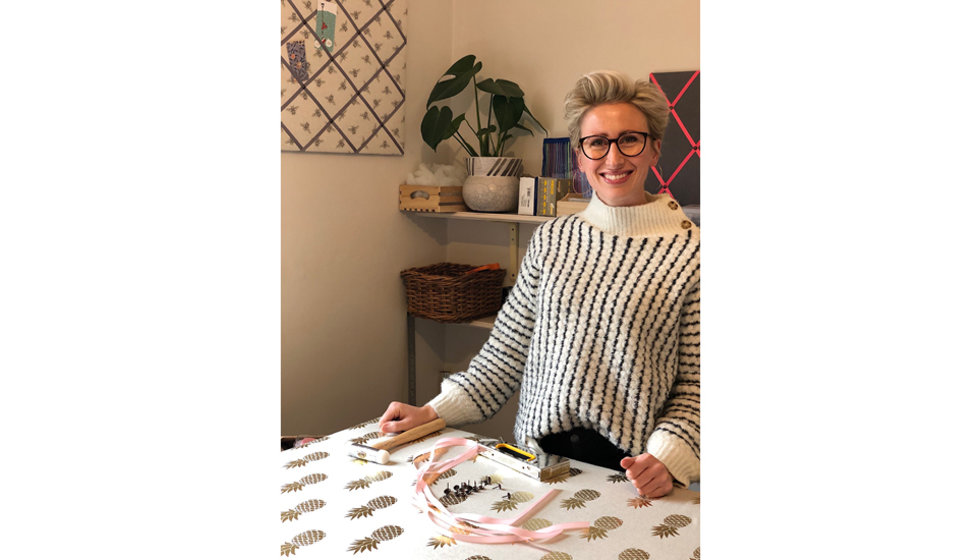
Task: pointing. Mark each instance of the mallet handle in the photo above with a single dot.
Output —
(409, 435)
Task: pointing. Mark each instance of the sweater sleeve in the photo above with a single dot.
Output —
(676, 438)
(495, 373)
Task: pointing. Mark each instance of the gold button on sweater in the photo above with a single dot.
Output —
(601, 331)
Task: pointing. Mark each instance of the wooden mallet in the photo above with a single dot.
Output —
(378, 452)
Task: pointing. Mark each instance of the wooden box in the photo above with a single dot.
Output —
(421, 198)
(573, 203)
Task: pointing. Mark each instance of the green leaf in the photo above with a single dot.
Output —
(541, 126)
(501, 87)
(508, 111)
(484, 136)
(459, 137)
(500, 145)
(455, 79)
(438, 125)
(463, 65)
(485, 131)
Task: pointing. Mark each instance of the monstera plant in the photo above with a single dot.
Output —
(505, 113)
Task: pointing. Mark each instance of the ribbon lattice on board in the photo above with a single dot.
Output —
(678, 162)
(343, 70)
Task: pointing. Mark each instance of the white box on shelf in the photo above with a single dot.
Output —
(527, 197)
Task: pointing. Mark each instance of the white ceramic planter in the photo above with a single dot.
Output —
(492, 184)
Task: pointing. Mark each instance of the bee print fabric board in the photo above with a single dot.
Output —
(342, 76)
(335, 506)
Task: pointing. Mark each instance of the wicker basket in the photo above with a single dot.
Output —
(445, 292)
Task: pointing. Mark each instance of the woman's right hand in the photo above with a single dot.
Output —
(400, 417)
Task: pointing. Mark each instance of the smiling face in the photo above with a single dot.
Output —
(616, 179)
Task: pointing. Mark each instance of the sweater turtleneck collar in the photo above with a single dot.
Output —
(660, 215)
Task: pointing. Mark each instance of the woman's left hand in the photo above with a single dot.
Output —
(650, 477)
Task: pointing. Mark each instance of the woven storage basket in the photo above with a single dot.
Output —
(445, 292)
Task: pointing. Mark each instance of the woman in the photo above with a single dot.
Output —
(601, 331)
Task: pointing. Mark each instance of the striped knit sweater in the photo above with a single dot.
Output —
(601, 331)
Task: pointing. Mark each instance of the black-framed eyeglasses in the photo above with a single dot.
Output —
(630, 144)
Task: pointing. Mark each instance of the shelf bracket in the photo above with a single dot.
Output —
(410, 320)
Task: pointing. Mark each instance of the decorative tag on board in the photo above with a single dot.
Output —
(347, 97)
(297, 60)
(326, 23)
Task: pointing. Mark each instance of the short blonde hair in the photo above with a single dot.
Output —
(607, 86)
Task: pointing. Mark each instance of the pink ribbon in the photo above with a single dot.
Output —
(473, 528)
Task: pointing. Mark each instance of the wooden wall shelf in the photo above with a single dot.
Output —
(484, 216)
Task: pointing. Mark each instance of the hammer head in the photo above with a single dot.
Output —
(368, 453)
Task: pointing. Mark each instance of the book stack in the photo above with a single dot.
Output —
(550, 191)
(557, 160)
(539, 196)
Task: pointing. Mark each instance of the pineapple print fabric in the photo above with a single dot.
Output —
(335, 506)
(347, 98)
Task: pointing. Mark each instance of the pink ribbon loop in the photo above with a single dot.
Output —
(474, 528)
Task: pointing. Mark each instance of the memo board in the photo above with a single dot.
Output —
(343, 75)
(679, 170)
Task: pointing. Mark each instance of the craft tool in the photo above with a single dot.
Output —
(378, 452)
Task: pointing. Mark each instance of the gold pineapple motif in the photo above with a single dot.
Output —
(463, 528)
(697, 554)
(308, 459)
(579, 498)
(304, 507)
(364, 424)
(305, 538)
(448, 474)
(478, 557)
(367, 480)
(601, 526)
(423, 457)
(368, 510)
(385, 533)
(511, 502)
(634, 554)
(420, 458)
(452, 499)
(617, 477)
(366, 437)
(536, 524)
(309, 443)
(441, 541)
(303, 482)
(639, 502)
(670, 526)
(557, 555)
(572, 471)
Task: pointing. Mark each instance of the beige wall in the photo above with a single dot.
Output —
(343, 244)
(344, 241)
(546, 46)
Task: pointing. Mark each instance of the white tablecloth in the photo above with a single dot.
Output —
(333, 506)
